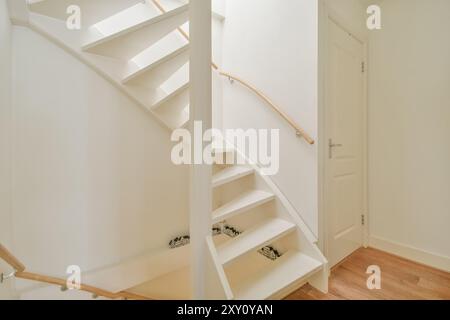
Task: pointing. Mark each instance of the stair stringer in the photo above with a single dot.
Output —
(218, 287)
(305, 239)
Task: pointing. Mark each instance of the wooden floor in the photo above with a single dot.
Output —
(400, 280)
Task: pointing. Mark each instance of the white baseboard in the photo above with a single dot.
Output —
(427, 258)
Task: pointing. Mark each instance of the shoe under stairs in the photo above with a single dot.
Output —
(263, 249)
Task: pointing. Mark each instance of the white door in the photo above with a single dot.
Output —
(344, 131)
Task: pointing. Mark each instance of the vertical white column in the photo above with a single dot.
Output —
(200, 110)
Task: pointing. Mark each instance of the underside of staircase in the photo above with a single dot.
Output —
(261, 248)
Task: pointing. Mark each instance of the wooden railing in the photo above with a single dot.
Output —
(19, 272)
(9, 258)
(298, 130)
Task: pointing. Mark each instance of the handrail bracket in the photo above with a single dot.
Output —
(4, 277)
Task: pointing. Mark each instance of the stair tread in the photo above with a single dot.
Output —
(139, 15)
(274, 276)
(156, 104)
(230, 174)
(178, 121)
(153, 62)
(254, 238)
(242, 203)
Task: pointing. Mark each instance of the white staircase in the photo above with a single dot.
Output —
(138, 48)
(247, 201)
(250, 203)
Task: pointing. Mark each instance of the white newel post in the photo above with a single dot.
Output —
(200, 110)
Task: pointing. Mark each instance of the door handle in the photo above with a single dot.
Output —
(332, 145)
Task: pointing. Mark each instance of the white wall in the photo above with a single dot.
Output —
(409, 121)
(273, 45)
(92, 178)
(5, 139)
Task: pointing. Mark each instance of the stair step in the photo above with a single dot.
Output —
(182, 89)
(270, 277)
(245, 202)
(92, 11)
(131, 31)
(257, 237)
(154, 60)
(120, 24)
(177, 79)
(230, 174)
(174, 117)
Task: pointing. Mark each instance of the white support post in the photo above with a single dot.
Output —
(200, 110)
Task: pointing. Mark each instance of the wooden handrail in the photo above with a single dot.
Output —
(10, 259)
(19, 268)
(298, 130)
(83, 287)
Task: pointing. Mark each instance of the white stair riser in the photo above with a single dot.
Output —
(158, 72)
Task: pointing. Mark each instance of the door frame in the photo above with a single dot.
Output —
(325, 14)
